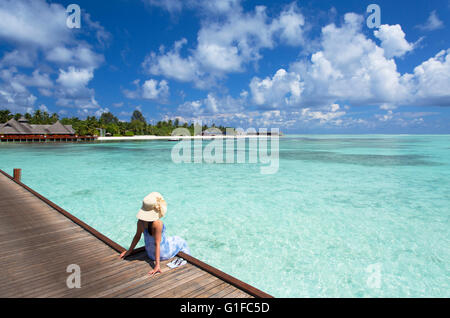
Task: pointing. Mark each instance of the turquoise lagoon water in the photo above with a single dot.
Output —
(337, 205)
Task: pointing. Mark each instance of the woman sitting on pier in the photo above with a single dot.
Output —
(158, 246)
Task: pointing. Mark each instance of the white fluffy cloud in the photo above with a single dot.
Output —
(73, 88)
(351, 67)
(14, 92)
(290, 25)
(283, 89)
(227, 45)
(360, 71)
(38, 33)
(16, 99)
(347, 67)
(150, 89)
(74, 78)
(430, 82)
(433, 23)
(209, 6)
(18, 58)
(331, 114)
(393, 40)
(33, 22)
(172, 65)
(211, 106)
(215, 110)
(81, 56)
(36, 79)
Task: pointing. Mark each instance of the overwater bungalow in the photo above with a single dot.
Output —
(22, 131)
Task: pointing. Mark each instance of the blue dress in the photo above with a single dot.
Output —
(169, 247)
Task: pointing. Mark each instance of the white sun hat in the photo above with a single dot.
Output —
(153, 207)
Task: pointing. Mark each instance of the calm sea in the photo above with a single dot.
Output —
(344, 216)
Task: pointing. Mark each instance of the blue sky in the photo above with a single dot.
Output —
(302, 66)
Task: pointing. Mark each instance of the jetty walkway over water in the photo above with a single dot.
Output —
(39, 240)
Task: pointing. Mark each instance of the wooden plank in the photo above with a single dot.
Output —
(88, 228)
(155, 283)
(33, 286)
(42, 254)
(32, 227)
(234, 294)
(19, 241)
(177, 280)
(210, 288)
(194, 285)
(222, 293)
(24, 263)
(44, 267)
(228, 278)
(105, 280)
(49, 244)
(26, 260)
(26, 243)
(55, 288)
(140, 283)
(122, 286)
(210, 292)
(33, 281)
(100, 280)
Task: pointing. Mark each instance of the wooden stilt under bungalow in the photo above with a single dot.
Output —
(39, 240)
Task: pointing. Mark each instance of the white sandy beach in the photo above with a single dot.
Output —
(173, 137)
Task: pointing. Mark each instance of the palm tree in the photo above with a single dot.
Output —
(5, 115)
(137, 115)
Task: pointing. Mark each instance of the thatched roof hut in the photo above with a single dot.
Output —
(22, 127)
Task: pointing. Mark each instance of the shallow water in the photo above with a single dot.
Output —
(336, 206)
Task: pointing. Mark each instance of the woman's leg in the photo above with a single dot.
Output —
(181, 245)
(185, 248)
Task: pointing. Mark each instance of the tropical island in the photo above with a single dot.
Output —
(107, 124)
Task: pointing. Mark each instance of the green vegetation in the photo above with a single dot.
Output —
(107, 121)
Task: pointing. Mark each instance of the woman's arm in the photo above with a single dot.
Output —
(136, 238)
(158, 234)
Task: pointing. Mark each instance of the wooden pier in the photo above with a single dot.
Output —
(39, 240)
